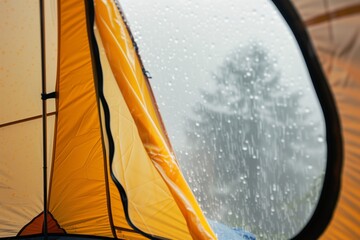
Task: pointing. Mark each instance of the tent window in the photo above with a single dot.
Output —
(239, 107)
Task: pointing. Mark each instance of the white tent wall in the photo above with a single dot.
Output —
(21, 182)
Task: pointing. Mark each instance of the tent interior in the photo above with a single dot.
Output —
(180, 120)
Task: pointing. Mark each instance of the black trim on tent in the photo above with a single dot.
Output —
(99, 78)
(331, 187)
(125, 229)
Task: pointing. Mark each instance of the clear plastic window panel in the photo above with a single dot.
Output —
(239, 108)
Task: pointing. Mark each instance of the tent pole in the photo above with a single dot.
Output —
(44, 111)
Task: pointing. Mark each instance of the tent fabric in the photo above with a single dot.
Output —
(160, 166)
(150, 204)
(116, 105)
(36, 226)
(20, 112)
(113, 173)
(334, 30)
(79, 190)
(79, 137)
(82, 198)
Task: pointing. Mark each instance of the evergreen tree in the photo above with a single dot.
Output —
(250, 141)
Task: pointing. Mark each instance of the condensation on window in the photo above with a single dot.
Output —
(239, 108)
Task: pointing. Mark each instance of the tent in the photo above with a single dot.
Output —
(327, 35)
(94, 158)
